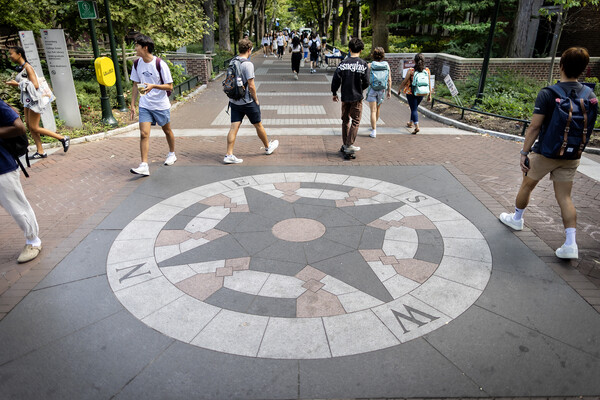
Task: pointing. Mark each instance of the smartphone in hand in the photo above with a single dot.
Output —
(526, 164)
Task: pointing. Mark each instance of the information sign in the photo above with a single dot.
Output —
(87, 9)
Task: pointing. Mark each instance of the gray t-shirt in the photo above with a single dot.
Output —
(247, 71)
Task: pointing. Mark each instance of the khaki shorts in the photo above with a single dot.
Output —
(560, 170)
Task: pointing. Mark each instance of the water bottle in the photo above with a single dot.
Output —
(239, 82)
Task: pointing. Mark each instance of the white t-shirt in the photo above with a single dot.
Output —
(279, 40)
(247, 72)
(147, 73)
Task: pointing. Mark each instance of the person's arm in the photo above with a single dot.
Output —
(429, 83)
(404, 81)
(365, 79)
(335, 84)
(32, 76)
(16, 129)
(164, 86)
(252, 90)
(389, 86)
(531, 135)
(134, 96)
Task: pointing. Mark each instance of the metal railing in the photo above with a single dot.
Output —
(525, 122)
(183, 87)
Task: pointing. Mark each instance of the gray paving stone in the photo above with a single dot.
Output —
(310, 211)
(369, 213)
(323, 249)
(352, 269)
(372, 238)
(316, 202)
(273, 307)
(533, 363)
(246, 222)
(255, 242)
(431, 246)
(275, 266)
(284, 251)
(133, 206)
(219, 249)
(268, 206)
(48, 314)
(348, 235)
(405, 370)
(82, 364)
(220, 376)
(231, 300)
(181, 220)
(329, 186)
(87, 260)
(336, 217)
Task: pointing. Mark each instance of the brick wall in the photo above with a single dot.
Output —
(199, 65)
(459, 67)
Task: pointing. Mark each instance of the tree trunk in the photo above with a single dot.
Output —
(208, 41)
(345, 21)
(380, 17)
(357, 29)
(562, 15)
(224, 42)
(525, 30)
(336, 20)
(124, 54)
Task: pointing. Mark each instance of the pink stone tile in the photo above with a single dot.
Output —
(216, 200)
(388, 260)
(287, 186)
(395, 223)
(214, 234)
(171, 237)
(417, 222)
(241, 208)
(290, 192)
(224, 271)
(313, 285)
(352, 198)
(198, 235)
(298, 230)
(417, 270)
(319, 304)
(201, 286)
(309, 273)
(238, 264)
(290, 199)
(362, 193)
(343, 203)
(379, 223)
(372, 255)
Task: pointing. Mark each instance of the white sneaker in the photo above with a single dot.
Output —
(272, 146)
(295, 75)
(231, 159)
(171, 159)
(141, 170)
(508, 220)
(352, 148)
(567, 252)
(373, 133)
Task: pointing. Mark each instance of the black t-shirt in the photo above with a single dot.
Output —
(546, 100)
(7, 118)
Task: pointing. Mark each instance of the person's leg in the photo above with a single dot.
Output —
(35, 128)
(562, 192)
(374, 114)
(355, 114)
(145, 140)
(13, 200)
(262, 133)
(233, 130)
(345, 123)
(415, 112)
(170, 136)
(35, 135)
(524, 194)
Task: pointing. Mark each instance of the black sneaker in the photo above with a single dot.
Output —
(37, 156)
(65, 143)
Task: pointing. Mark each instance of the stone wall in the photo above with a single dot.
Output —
(199, 65)
(459, 67)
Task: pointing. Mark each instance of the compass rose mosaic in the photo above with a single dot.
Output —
(298, 265)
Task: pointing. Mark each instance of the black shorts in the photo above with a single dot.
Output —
(280, 50)
(314, 56)
(252, 110)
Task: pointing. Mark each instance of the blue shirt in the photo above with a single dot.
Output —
(7, 118)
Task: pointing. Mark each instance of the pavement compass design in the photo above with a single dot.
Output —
(298, 265)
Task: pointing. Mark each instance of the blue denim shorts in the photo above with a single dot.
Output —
(375, 95)
(160, 117)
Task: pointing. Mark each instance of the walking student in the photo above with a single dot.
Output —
(280, 45)
(27, 81)
(380, 86)
(151, 78)
(248, 105)
(541, 130)
(313, 46)
(296, 50)
(266, 43)
(352, 76)
(416, 85)
(12, 197)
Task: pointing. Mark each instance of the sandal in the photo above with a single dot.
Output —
(415, 131)
(409, 124)
(37, 156)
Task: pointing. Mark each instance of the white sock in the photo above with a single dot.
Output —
(171, 153)
(143, 164)
(37, 242)
(570, 233)
(518, 214)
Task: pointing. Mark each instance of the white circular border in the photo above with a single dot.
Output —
(455, 285)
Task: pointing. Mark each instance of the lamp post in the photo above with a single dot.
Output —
(488, 51)
(107, 115)
(113, 52)
(232, 2)
(335, 11)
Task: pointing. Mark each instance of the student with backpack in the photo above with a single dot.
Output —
(563, 119)
(380, 86)
(152, 79)
(313, 47)
(12, 197)
(239, 86)
(416, 85)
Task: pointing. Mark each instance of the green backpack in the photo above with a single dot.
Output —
(420, 83)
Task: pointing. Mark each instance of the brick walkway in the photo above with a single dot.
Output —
(71, 193)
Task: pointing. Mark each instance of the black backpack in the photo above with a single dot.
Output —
(233, 85)
(17, 147)
(571, 125)
(313, 46)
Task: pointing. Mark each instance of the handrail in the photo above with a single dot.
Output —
(524, 121)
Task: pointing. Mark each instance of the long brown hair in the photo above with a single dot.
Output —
(419, 62)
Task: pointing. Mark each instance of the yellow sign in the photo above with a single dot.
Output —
(105, 71)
